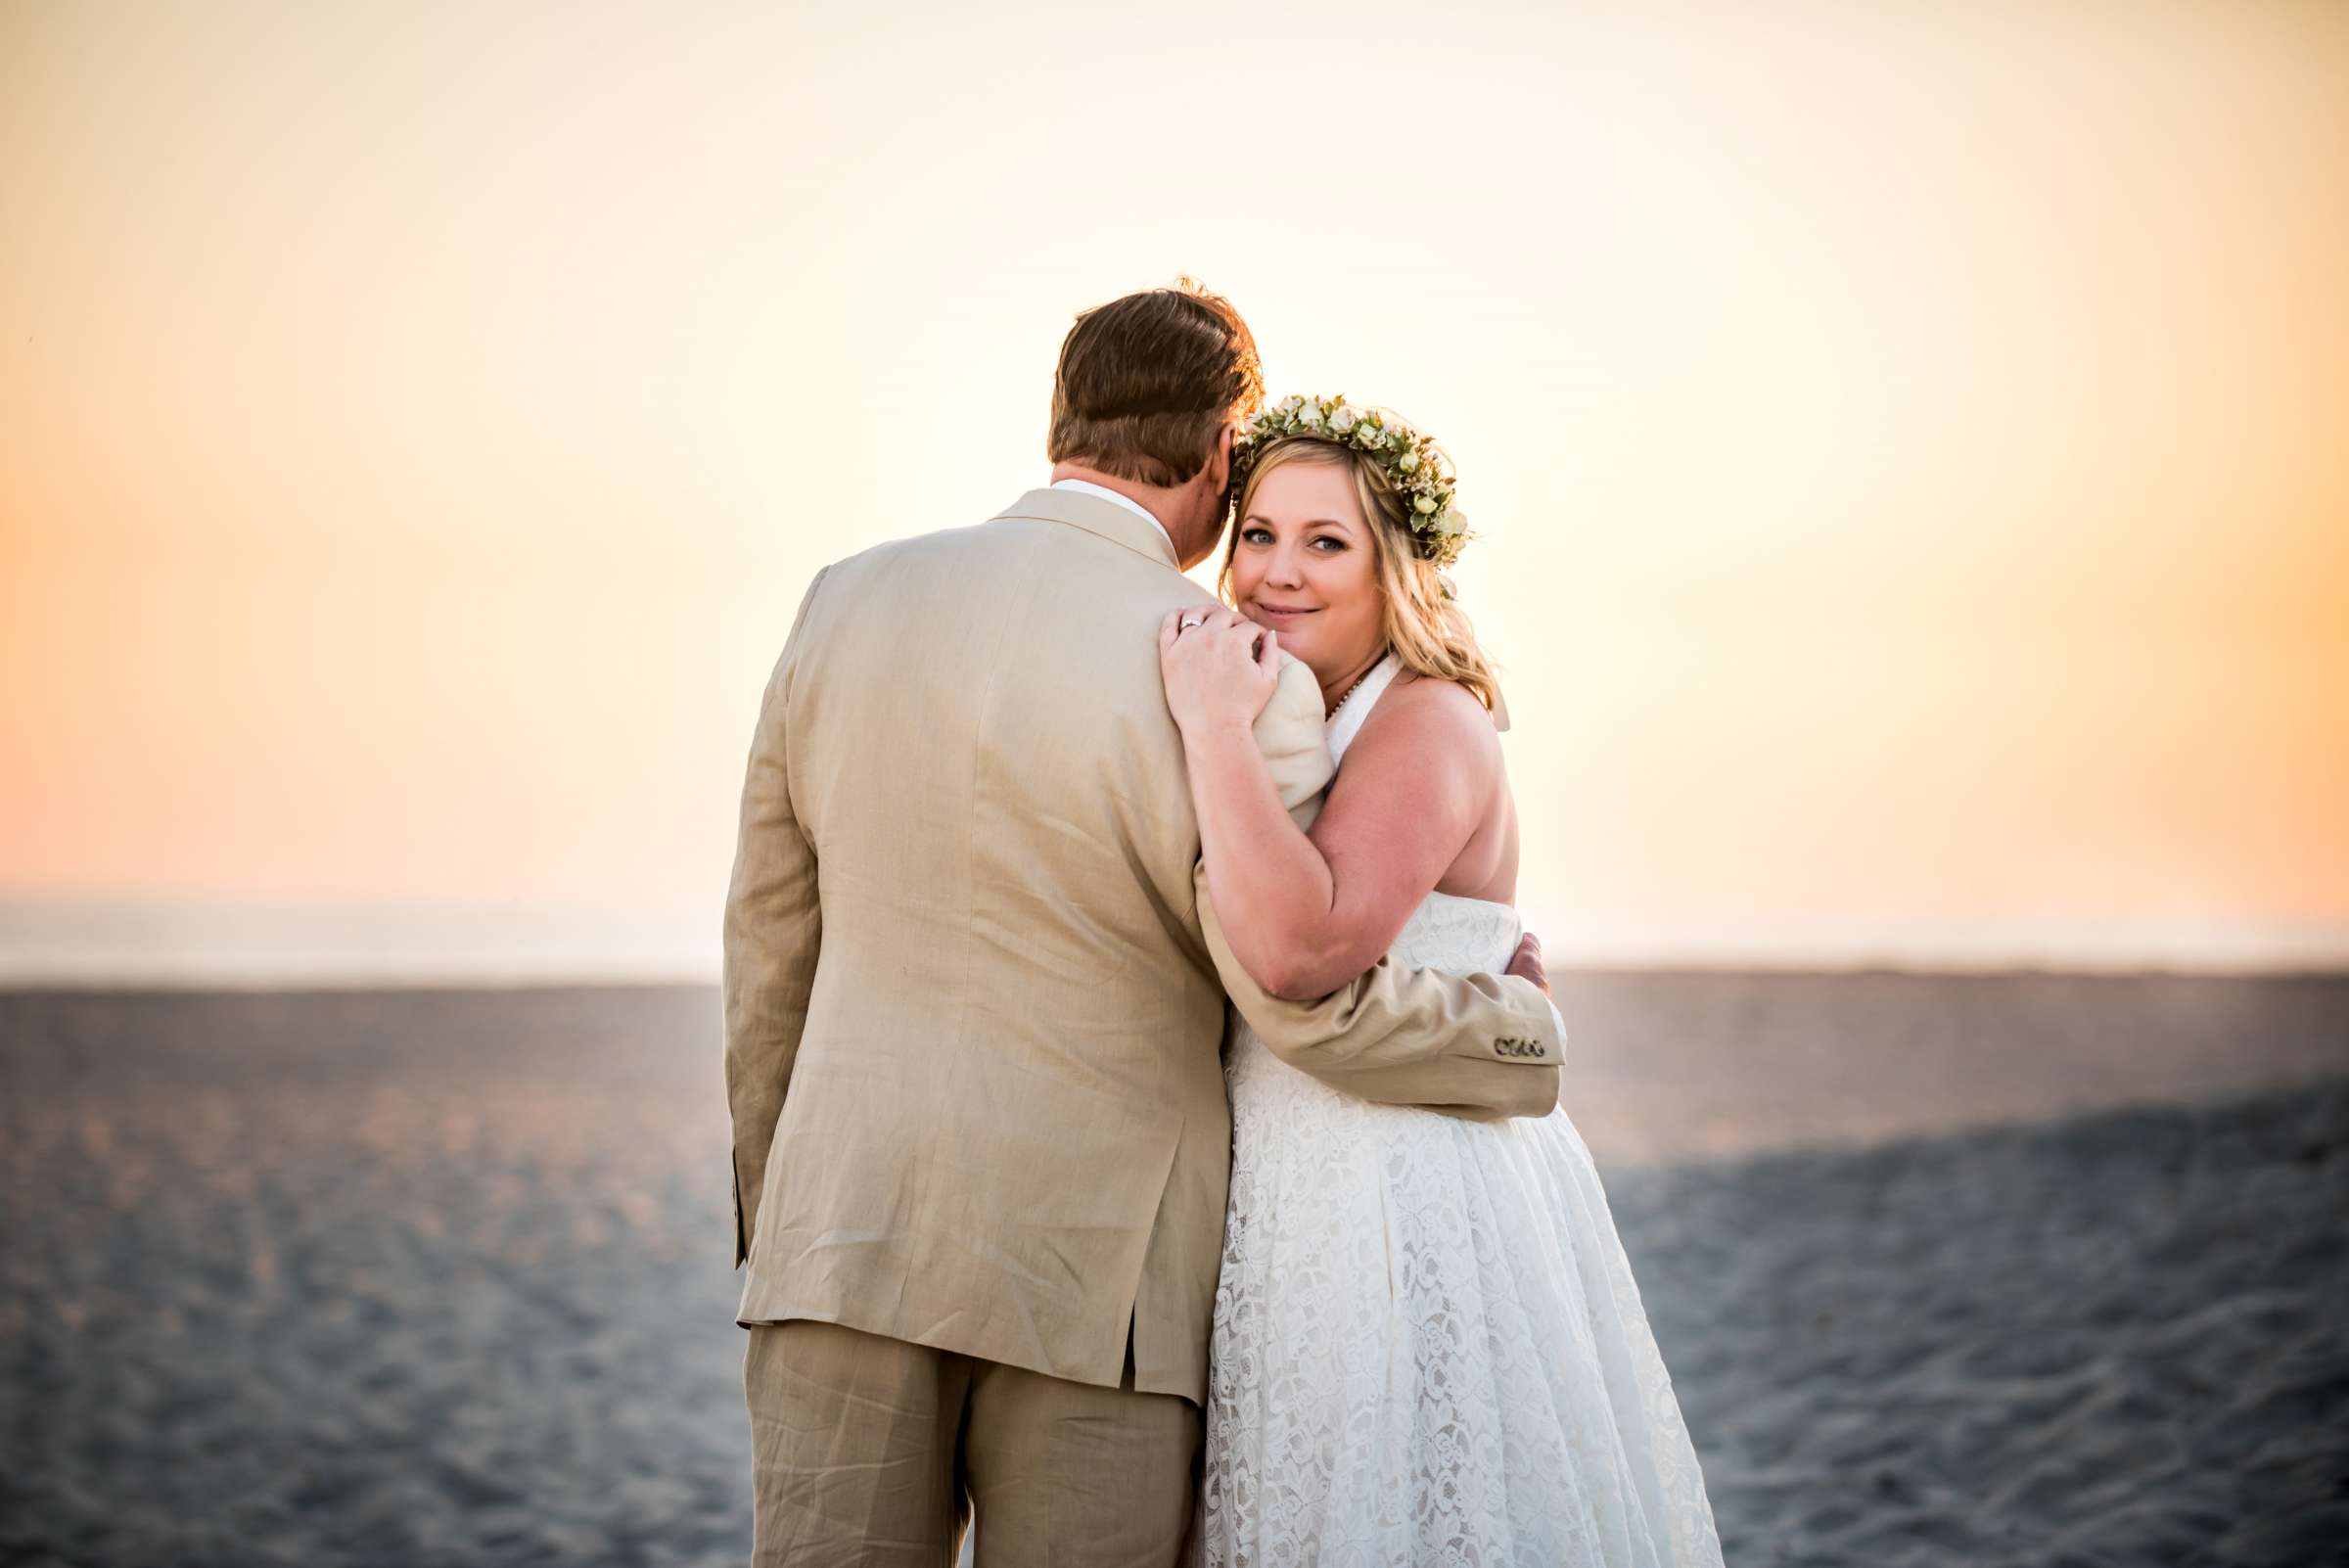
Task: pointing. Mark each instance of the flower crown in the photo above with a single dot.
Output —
(1414, 463)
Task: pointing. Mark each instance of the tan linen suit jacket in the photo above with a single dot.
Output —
(973, 1022)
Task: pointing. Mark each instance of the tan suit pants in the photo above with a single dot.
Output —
(873, 1450)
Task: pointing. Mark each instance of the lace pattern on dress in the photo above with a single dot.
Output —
(1428, 1346)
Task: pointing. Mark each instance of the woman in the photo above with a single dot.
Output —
(1428, 1346)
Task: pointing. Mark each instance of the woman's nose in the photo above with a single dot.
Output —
(1286, 570)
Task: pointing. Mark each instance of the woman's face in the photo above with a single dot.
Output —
(1303, 566)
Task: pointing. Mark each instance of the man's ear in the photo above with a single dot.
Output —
(1220, 462)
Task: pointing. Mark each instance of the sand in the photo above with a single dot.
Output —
(1991, 1270)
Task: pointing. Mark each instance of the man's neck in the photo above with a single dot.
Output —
(1154, 499)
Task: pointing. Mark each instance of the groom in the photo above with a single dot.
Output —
(974, 1005)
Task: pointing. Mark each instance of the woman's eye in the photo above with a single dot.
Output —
(1256, 535)
(1335, 544)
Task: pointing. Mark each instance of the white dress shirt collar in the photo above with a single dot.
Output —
(1126, 502)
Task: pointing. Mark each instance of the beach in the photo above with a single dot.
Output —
(1978, 1269)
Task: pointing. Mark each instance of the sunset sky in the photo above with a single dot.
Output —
(1910, 441)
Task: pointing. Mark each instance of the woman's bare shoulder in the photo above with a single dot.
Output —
(1434, 718)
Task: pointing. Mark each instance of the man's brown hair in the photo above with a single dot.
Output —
(1146, 382)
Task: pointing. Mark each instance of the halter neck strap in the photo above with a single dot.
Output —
(1355, 707)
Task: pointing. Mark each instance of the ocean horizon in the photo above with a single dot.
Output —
(190, 944)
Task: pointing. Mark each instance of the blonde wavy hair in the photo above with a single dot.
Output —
(1424, 628)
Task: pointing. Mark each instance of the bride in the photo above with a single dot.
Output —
(1428, 1347)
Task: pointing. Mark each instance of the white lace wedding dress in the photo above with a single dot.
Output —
(1428, 1344)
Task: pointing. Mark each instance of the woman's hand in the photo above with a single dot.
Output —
(1220, 668)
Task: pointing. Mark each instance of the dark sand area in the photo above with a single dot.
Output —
(1948, 1271)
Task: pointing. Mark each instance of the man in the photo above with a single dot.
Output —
(974, 1003)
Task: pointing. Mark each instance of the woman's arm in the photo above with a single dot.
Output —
(1305, 915)
(1481, 1046)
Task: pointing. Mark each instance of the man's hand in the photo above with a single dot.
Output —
(1526, 962)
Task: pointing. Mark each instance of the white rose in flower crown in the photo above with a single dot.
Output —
(1454, 521)
(1408, 462)
(1310, 416)
(1344, 419)
(1424, 505)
